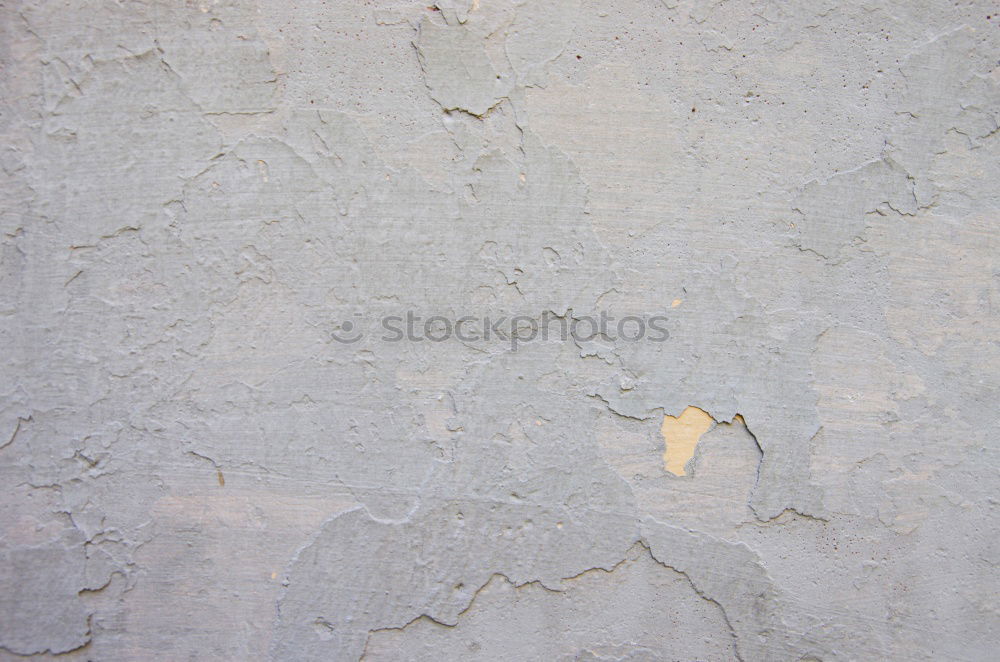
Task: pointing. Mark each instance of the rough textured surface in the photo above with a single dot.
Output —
(202, 200)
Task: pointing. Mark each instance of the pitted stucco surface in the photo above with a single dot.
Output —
(202, 199)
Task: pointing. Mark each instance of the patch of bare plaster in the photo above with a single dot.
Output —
(724, 468)
(680, 437)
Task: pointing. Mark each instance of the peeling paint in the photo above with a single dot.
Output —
(199, 197)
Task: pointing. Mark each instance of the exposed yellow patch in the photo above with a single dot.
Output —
(675, 303)
(222, 479)
(681, 435)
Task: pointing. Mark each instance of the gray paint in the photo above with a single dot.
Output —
(197, 197)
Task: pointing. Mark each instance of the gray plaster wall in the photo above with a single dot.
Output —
(209, 450)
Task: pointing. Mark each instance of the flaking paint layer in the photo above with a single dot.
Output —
(195, 199)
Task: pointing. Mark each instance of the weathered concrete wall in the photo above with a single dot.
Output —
(212, 446)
